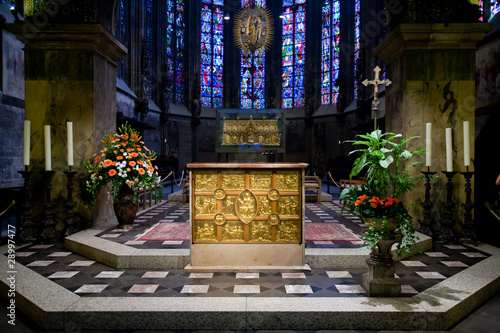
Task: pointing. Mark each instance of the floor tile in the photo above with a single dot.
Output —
(41, 247)
(109, 274)
(246, 289)
(323, 242)
(293, 275)
(82, 263)
(407, 289)
(436, 254)
(247, 275)
(172, 242)
(454, 264)
(350, 289)
(134, 242)
(455, 247)
(195, 289)
(63, 275)
(473, 254)
(201, 275)
(298, 289)
(59, 254)
(24, 254)
(110, 235)
(143, 288)
(40, 263)
(91, 289)
(154, 275)
(338, 274)
(431, 275)
(411, 263)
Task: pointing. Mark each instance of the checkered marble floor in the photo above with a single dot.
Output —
(326, 212)
(92, 279)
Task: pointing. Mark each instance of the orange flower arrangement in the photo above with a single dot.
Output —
(124, 161)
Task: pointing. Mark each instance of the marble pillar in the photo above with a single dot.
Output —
(432, 67)
(70, 76)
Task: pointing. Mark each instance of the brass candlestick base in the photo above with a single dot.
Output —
(426, 222)
(467, 233)
(29, 233)
(445, 232)
(49, 233)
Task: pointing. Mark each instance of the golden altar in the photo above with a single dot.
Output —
(246, 216)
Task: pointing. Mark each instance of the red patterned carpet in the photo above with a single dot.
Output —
(314, 232)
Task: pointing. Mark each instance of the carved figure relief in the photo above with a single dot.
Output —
(246, 206)
(229, 206)
(287, 181)
(205, 206)
(247, 132)
(260, 181)
(205, 182)
(233, 233)
(205, 232)
(233, 181)
(288, 232)
(288, 206)
(260, 232)
(264, 206)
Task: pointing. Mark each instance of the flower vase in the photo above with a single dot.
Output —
(380, 280)
(125, 208)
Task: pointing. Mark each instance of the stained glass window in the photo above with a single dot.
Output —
(10, 3)
(357, 22)
(253, 72)
(121, 32)
(293, 53)
(212, 53)
(330, 52)
(480, 3)
(495, 7)
(174, 44)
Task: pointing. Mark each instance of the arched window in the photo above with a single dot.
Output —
(174, 49)
(212, 53)
(293, 53)
(149, 46)
(330, 52)
(357, 22)
(253, 72)
(121, 32)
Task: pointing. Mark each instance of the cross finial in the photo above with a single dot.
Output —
(376, 82)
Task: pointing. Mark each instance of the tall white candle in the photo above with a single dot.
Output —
(48, 156)
(449, 161)
(69, 126)
(428, 144)
(466, 144)
(27, 142)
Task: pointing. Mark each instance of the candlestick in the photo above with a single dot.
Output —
(426, 222)
(69, 126)
(48, 157)
(466, 144)
(27, 142)
(49, 233)
(29, 232)
(449, 160)
(467, 233)
(445, 233)
(428, 144)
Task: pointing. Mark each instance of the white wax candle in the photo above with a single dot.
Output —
(428, 144)
(466, 144)
(48, 157)
(69, 126)
(449, 161)
(27, 142)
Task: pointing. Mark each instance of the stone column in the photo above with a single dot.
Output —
(70, 75)
(432, 67)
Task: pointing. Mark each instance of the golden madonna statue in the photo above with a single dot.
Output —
(253, 29)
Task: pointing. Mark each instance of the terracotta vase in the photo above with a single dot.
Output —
(393, 224)
(125, 208)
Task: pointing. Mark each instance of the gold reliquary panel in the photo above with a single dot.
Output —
(247, 206)
(264, 132)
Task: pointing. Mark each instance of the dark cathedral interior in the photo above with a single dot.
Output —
(182, 72)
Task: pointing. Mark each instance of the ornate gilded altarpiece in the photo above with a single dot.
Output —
(243, 130)
(245, 204)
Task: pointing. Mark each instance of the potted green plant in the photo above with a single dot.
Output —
(126, 163)
(379, 202)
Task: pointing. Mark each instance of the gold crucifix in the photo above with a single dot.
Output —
(376, 82)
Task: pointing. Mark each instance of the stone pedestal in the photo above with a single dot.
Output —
(380, 280)
(432, 67)
(70, 75)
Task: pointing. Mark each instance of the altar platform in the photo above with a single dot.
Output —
(106, 279)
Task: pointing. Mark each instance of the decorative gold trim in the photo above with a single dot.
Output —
(253, 29)
(219, 194)
(273, 194)
(219, 219)
(273, 219)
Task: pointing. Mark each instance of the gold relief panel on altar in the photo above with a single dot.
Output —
(265, 207)
(205, 231)
(228, 207)
(289, 232)
(260, 181)
(260, 231)
(233, 180)
(287, 181)
(246, 206)
(205, 206)
(289, 206)
(233, 231)
(205, 180)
